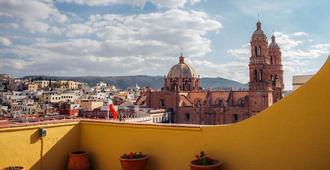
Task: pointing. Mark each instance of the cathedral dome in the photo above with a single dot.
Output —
(181, 70)
(273, 44)
(259, 32)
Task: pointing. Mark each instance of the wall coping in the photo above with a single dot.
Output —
(69, 122)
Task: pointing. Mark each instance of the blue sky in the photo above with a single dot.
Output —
(124, 37)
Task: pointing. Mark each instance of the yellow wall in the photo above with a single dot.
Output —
(292, 134)
(22, 146)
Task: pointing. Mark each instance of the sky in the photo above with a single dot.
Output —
(145, 37)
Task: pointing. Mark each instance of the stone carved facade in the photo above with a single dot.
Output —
(191, 104)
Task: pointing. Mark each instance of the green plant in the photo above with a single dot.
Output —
(202, 159)
(132, 155)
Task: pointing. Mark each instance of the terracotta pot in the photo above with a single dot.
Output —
(78, 161)
(134, 164)
(215, 166)
(14, 168)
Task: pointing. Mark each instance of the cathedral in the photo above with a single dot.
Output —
(190, 104)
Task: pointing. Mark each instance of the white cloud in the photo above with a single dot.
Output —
(9, 26)
(35, 26)
(78, 30)
(125, 45)
(5, 41)
(242, 53)
(156, 34)
(32, 14)
(55, 30)
(233, 70)
(285, 41)
(299, 34)
(137, 3)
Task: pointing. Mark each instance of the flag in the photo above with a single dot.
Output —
(112, 109)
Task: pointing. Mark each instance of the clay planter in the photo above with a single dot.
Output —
(215, 166)
(14, 168)
(78, 161)
(134, 164)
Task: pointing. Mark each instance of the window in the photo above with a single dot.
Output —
(271, 60)
(235, 117)
(187, 116)
(162, 103)
(256, 50)
(255, 75)
(260, 75)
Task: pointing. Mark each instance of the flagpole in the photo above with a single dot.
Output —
(108, 114)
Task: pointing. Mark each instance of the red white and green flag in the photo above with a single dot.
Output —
(111, 108)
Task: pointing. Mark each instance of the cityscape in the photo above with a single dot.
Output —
(181, 99)
(164, 85)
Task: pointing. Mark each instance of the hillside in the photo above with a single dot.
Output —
(124, 82)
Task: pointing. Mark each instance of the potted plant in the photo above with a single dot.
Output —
(202, 162)
(78, 160)
(134, 161)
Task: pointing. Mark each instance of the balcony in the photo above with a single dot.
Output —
(292, 134)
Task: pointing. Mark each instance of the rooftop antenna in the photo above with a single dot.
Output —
(181, 51)
(258, 16)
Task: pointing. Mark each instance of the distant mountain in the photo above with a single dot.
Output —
(157, 82)
(220, 83)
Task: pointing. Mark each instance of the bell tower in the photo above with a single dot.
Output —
(260, 86)
(276, 77)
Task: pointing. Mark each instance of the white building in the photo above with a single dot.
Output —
(300, 80)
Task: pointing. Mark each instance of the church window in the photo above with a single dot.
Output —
(259, 51)
(187, 116)
(255, 75)
(260, 75)
(256, 50)
(271, 60)
(186, 85)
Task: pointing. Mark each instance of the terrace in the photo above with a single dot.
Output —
(292, 134)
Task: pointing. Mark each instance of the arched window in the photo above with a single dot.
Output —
(186, 86)
(173, 85)
(275, 78)
(255, 75)
(271, 60)
(256, 50)
(260, 75)
(259, 51)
